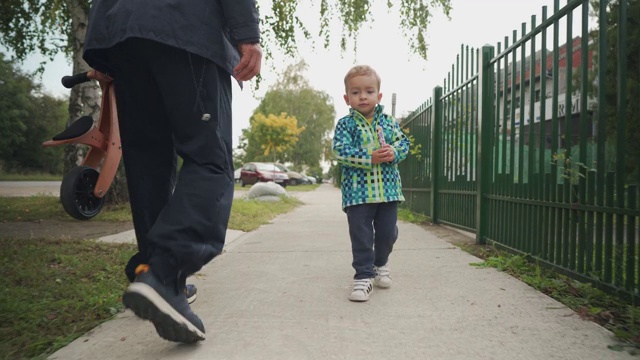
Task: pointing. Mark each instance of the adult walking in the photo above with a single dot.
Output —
(172, 62)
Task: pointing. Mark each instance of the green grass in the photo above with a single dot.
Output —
(407, 215)
(248, 215)
(30, 208)
(619, 316)
(53, 291)
(309, 187)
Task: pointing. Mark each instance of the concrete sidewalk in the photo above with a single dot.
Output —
(280, 292)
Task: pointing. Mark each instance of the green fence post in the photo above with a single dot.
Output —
(436, 152)
(484, 168)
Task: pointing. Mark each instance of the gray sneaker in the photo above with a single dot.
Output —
(383, 277)
(361, 290)
(166, 307)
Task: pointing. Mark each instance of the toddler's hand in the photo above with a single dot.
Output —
(382, 155)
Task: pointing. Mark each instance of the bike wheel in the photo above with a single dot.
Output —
(76, 193)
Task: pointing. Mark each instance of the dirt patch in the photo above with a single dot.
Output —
(59, 229)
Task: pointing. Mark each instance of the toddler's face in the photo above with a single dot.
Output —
(363, 94)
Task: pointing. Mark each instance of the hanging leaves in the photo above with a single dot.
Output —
(27, 26)
(283, 23)
(45, 26)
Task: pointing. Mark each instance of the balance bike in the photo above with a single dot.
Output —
(83, 188)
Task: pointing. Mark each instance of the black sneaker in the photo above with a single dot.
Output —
(165, 307)
(191, 292)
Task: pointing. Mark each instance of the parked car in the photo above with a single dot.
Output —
(295, 178)
(236, 175)
(254, 172)
(311, 179)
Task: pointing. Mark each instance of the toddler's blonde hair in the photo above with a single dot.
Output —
(361, 70)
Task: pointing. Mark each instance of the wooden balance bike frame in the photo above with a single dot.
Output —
(83, 188)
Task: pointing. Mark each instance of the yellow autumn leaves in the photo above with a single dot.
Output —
(276, 134)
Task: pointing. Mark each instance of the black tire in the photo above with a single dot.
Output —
(242, 183)
(293, 182)
(76, 193)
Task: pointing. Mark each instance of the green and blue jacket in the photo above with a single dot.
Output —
(354, 141)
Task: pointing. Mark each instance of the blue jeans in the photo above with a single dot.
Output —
(373, 230)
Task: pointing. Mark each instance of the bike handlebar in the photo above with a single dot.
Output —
(73, 80)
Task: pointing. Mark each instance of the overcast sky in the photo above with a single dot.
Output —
(473, 22)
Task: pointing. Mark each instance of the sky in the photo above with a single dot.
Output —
(381, 45)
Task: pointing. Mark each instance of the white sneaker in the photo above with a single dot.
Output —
(361, 290)
(383, 277)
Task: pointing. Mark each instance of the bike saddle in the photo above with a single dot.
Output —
(79, 127)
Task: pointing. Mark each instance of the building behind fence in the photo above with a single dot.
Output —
(534, 144)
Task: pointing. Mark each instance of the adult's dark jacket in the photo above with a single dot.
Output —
(209, 28)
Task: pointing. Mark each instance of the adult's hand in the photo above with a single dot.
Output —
(250, 62)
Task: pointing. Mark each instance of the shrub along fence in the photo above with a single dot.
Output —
(537, 150)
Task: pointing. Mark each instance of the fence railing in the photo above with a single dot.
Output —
(537, 150)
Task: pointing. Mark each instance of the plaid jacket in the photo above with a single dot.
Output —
(353, 142)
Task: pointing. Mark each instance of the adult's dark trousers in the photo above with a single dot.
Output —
(373, 230)
(180, 218)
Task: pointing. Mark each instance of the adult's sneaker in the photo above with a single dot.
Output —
(190, 290)
(165, 306)
(361, 290)
(383, 277)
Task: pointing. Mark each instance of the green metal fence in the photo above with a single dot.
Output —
(537, 150)
(416, 179)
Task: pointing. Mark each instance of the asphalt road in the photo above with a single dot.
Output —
(29, 188)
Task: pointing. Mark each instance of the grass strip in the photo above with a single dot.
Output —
(40, 207)
(248, 215)
(53, 291)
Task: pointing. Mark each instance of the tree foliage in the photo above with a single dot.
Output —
(27, 118)
(271, 136)
(52, 26)
(14, 106)
(282, 23)
(313, 108)
(631, 83)
(45, 26)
